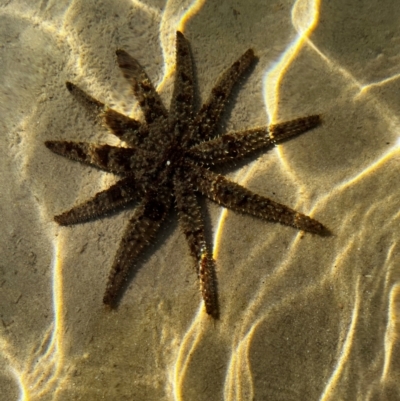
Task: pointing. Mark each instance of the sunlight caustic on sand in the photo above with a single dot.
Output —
(175, 17)
(392, 329)
(42, 371)
(345, 352)
(239, 385)
(188, 344)
(45, 374)
(305, 15)
(362, 174)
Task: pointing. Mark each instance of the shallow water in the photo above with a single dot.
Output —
(302, 316)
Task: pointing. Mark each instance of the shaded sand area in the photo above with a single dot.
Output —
(303, 317)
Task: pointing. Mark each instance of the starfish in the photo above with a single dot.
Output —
(167, 163)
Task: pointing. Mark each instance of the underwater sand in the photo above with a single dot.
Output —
(303, 317)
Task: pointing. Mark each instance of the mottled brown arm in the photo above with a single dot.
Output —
(116, 197)
(235, 197)
(288, 129)
(191, 222)
(182, 102)
(139, 232)
(104, 157)
(235, 145)
(230, 146)
(143, 89)
(127, 129)
(209, 115)
(92, 105)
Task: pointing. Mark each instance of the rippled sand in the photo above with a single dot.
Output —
(303, 317)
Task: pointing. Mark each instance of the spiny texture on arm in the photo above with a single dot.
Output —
(192, 225)
(235, 145)
(139, 233)
(207, 119)
(111, 199)
(167, 164)
(233, 196)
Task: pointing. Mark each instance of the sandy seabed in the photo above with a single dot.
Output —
(303, 317)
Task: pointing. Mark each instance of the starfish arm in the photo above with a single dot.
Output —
(233, 196)
(105, 157)
(191, 222)
(109, 200)
(127, 129)
(288, 129)
(92, 105)
(139, 232)
(230, 146)
(235, 145)
(209, 115)
(143, 89)
(182, 103)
